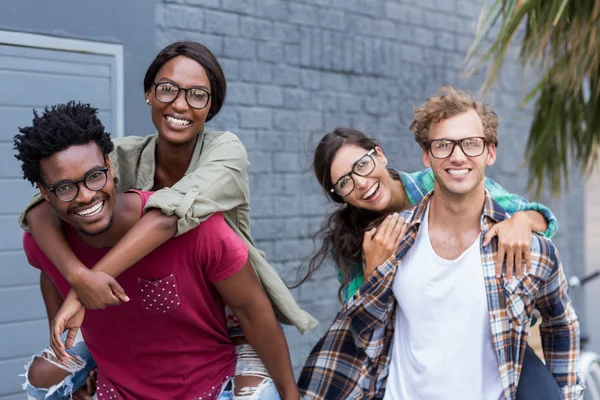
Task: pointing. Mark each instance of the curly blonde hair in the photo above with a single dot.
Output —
(447, 103)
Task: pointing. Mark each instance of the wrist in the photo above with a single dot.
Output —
(76, 274)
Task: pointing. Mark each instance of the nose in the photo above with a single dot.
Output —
(457, 154)
(85, 195)
(180, 102)
(360, 181)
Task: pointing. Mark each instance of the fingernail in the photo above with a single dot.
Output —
(498, 276)
(126, 298)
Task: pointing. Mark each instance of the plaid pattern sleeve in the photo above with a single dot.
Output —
(351, 360)
(560, 327)
(418, 184)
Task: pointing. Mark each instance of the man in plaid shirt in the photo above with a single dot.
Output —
(434, 321)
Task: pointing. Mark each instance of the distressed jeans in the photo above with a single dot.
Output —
(80, 365)
(248, 364)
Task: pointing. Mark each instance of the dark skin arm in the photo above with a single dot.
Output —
(243, 293)
(95, 289)
(43, 374)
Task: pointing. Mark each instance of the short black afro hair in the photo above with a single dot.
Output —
(58, 128)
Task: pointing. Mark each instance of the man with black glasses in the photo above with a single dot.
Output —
(169, 339)
(435, 322)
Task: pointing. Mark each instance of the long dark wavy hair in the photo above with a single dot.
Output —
(343, 230)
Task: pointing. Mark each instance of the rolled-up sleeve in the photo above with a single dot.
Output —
(218, 183)
(513, 203)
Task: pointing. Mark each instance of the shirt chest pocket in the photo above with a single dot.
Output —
(520, 299)
(158, 295)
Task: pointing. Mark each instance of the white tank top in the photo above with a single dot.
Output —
(442, 347)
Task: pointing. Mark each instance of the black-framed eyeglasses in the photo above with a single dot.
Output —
(167, 92)
(361, 167)
(67, 191)
(471, 147)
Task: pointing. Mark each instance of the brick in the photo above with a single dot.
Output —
(238, 48)
(275, 10)
(261, 161)
(287, 162)
(297, 99)
(372, 8)
(445, 40)
(310, 79)
(239, 6)
(303, 14)
(350, 102)
(270, 52)
(332, 19)
(241, 93)
(252, 71)
(292, 54)
(181, 17)
(350, 5)
(287, 33)
(270, 96)
(256, 28)
(221, 23)
(424, 37)
(255, 117)
(397, 12)
(296, 121)
(446, 5)
(286, 76)
(204, 3)
(231, 68)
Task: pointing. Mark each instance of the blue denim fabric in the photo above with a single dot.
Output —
(536, 381)
(63, 390)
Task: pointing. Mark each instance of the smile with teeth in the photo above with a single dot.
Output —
(177, 121)
(371, 191)
(88, 212)
(458, 172)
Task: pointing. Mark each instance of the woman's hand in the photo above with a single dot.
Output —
(70, 316)
(514, 238)
(381, 242)
(97, 290)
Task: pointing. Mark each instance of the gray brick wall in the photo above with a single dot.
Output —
(299, 68)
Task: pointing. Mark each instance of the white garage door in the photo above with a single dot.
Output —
(36, 71)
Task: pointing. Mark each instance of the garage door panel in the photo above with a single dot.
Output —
(16, 271)
(23, 338)
(10, 381)
(51, 89)
(31, 304)
(20, 116)
(17, 194)
(55, 67)
(10, 233)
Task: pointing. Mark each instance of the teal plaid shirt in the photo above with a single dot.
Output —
(418, 184)
(352, 359)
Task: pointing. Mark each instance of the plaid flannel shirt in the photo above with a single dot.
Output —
(418, 184)
(351, 360)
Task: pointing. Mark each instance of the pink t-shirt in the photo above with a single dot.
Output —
(170, 340)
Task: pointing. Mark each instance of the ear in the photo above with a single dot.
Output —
(43, 191)
(109, 165)
(148, 96)
(425, 158)
(380, 156)
(491, 156)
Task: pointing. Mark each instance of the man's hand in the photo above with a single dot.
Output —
(87, 391)
(381, 243)
(70, 316)
(514, 238)
(96, 290)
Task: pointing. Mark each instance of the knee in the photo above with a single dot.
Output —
(43, 375)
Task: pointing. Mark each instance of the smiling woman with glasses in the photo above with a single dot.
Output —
(187, 165)
(362, 167)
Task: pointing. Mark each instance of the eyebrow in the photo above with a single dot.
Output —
(73, 180)
(167, 80)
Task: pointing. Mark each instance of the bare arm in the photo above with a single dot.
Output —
(243, 293)
(51, 296)
(152, 230)
(95, 290)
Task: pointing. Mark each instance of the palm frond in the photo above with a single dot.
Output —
(561, 39)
